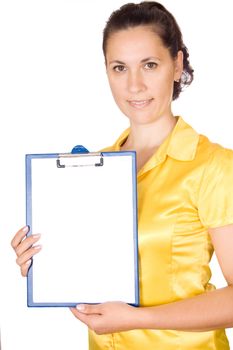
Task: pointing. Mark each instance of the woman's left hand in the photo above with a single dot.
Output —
(108, 317)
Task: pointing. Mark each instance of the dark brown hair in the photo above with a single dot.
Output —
(162, 22)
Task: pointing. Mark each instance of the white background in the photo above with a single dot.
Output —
(54, 95)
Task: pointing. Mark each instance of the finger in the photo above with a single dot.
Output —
(25, 267)
(86, 319)
(19, 236)
(74, 311)
(89, 309)
(26, 244)
(82, 317)
(22, 259)
(92, 321)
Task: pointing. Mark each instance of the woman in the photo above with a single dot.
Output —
(185, 197)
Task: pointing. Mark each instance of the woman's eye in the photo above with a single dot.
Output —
(151, 65)
(119, 68)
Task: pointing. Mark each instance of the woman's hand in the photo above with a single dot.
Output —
(24, 248)
(108, 317)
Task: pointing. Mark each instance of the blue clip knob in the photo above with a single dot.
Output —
(79, 149)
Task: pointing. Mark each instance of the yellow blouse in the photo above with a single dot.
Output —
(184, 188)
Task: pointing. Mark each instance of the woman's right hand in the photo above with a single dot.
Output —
(25, 249)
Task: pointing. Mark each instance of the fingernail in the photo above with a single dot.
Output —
(38, 246)
(28, 262)
(25, 229)
(80, 307)
(37, 235)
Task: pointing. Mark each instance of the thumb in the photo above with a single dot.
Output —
(89, 309)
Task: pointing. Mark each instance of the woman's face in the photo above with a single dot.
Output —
(141, 74)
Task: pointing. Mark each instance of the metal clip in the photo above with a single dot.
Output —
(79, 160)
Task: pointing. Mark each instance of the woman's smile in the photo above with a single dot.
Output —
(140, 104)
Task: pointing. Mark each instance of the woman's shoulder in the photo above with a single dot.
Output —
(117, 144)
(215, 195)
(107, 149)
(214, 152)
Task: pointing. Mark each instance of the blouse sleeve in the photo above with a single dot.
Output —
(215, 204)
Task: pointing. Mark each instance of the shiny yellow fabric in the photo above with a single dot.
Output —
(183, 189)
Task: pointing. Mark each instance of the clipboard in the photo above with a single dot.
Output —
(85, 207)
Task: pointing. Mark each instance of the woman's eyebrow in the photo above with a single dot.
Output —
(116, 61)
(142, 61)
(149, 59)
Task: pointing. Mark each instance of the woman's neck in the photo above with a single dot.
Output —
(149, 136)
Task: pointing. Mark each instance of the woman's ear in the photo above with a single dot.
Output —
(179, 65)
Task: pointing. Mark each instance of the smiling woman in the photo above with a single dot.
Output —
(141, 74)
(185, 197)
(182, 178)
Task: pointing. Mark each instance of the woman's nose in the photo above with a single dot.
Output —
(136, 82)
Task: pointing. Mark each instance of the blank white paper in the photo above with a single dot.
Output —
(87, 221)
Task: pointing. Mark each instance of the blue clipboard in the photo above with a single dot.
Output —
(85, 207)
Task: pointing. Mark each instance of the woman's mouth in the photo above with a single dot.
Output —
(139, 104)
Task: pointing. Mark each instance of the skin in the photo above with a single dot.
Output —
(142, 88)
(141, 74)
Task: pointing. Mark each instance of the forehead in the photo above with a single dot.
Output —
(133, 42)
